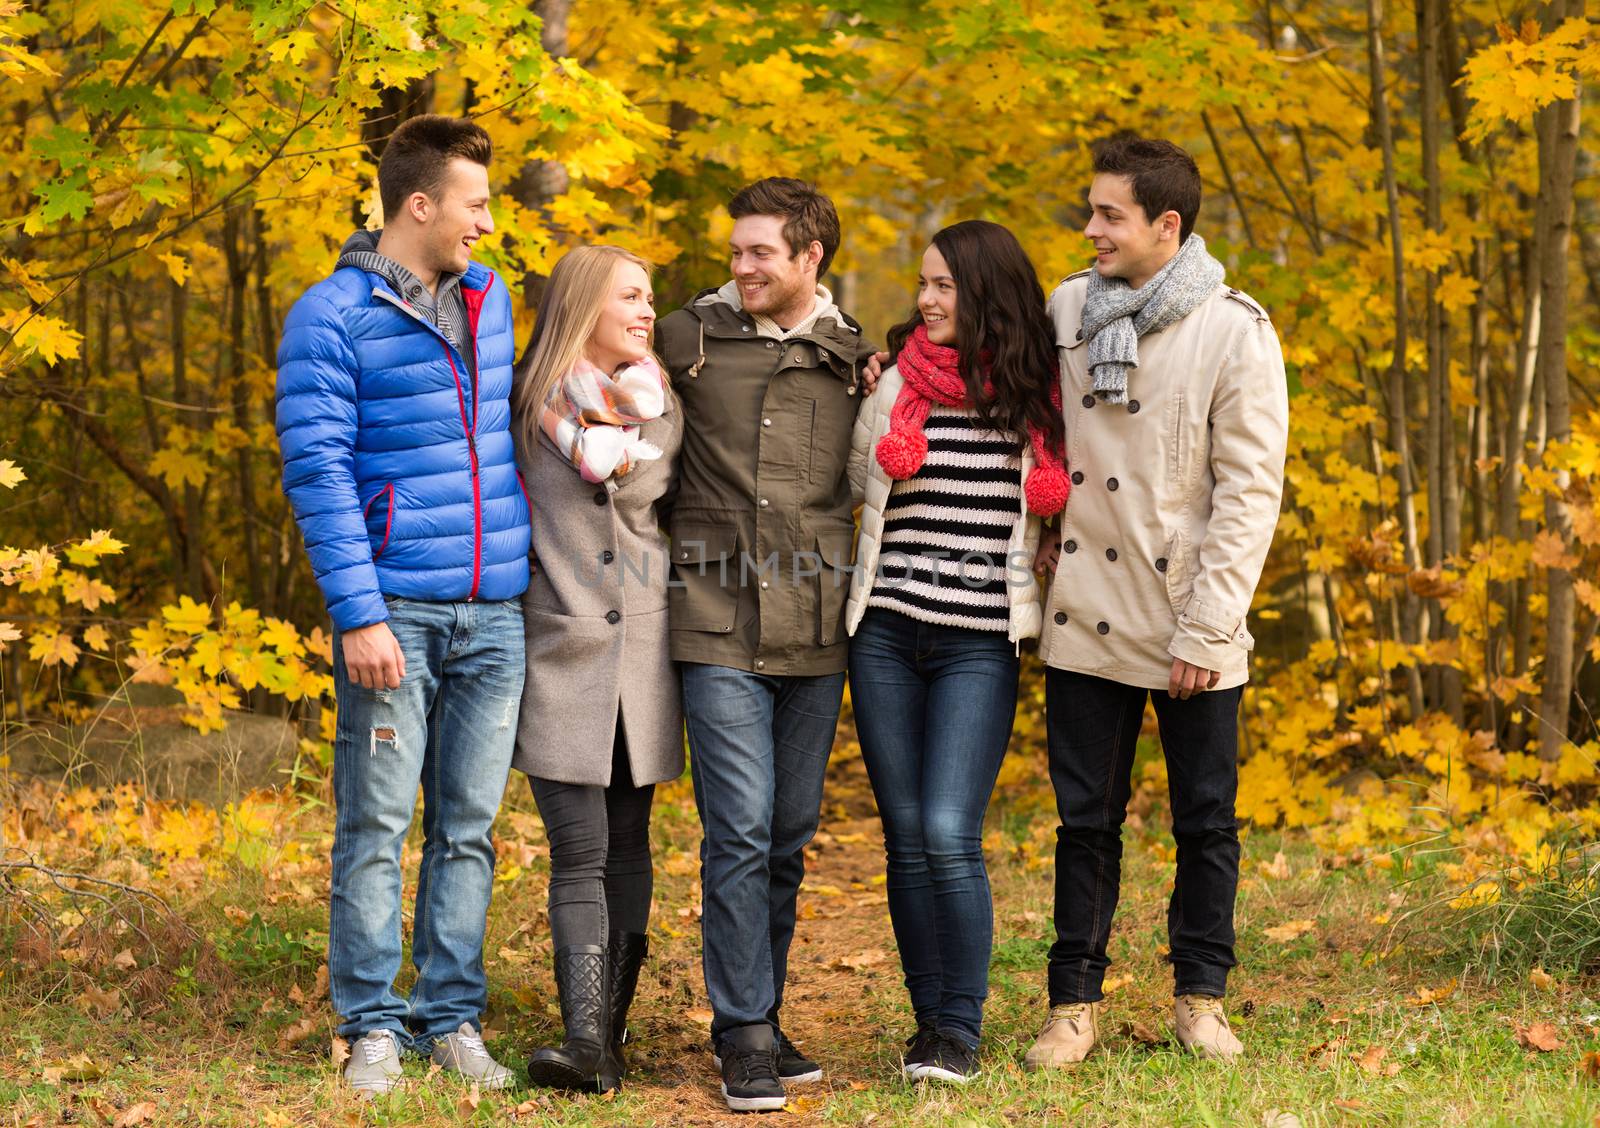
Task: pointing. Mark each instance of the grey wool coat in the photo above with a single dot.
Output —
(596, 618)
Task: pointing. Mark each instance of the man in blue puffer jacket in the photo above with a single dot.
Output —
(394, 383)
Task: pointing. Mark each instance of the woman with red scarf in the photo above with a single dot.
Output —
(959, 455)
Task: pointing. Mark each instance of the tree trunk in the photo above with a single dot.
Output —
(244, 471)
(540, 182)
(1558, 150)
(1444, 494)
(1411, 613)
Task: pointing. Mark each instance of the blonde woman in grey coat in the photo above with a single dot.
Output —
(598, 435)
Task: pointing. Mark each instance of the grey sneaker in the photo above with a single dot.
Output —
(374, 1065)
(463, 1052)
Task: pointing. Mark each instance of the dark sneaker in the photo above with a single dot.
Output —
(794, 1068)
(951, 1060)
(919, 1048)
(748, 1058)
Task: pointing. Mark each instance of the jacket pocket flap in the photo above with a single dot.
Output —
(694, 545)
(836, 547)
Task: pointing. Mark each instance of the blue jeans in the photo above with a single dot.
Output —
(758, 749)
(1093, 726)
(933, 708)
(450, 727)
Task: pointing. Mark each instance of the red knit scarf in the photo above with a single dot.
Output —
(930, 374)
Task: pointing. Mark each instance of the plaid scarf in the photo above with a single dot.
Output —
(594, 418)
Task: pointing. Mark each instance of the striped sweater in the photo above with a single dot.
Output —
(946, 528)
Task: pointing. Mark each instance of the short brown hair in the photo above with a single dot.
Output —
(808, 216)
(417, 153)
(1164, 177)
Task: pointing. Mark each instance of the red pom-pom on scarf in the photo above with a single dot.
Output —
(1047, 488)
(902, 453)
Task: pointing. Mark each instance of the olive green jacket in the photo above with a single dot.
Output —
(764, 521)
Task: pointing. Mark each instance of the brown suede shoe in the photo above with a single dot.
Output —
(1068, 1035)
(1203, 1028)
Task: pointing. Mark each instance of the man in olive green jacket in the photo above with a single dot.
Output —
(770, 374)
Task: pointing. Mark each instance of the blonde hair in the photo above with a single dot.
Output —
(580, 286)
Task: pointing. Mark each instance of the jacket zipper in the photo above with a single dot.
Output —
(470, 429)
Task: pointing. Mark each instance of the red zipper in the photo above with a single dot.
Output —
(388, 522)
(470, 430)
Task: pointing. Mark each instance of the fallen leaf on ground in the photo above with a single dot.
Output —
(124, 960)
(527, 1108)
(136, 1114)
(1589, 1065)
(297, 1032)
(1540, 1036)
(100, 1002)
(1290, 930)
(1541, 978)
(319, 990)
(468, 1104)
(296, 996)
(700, 1015)
(825, 890)
(1426, 996)
(1348, 1105)
(861, 961)
(1140, 1032)
(79, 1067)
(1371, 1061)
(1278, 868)
(1276, 1119)
(1115, 983)
(340, 1051)
(235, 914)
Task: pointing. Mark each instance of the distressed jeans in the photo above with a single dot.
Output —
(449, 727)
(758, 751)
(1093, 729)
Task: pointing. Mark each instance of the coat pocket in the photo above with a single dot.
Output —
(703, 594)
(379, 518)
(833, 583)
(1175, 565)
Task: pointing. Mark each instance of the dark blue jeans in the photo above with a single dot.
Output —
(758, 749)
(933, 708)
(1093, 727)
(449, 727)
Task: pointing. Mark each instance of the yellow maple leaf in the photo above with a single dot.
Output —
(11, 474)
(178, 467)
(50, 647)
(95, 636)
(91, 593)
(1289, 930)
(178, 268)
(188, 616)
(8, 633)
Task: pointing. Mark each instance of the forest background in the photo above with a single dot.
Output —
(1404, 187)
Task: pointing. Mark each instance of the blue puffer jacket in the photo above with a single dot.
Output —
(397, 463)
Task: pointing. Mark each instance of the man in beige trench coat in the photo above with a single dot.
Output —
(1177, 416)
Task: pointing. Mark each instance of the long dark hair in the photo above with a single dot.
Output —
(1000, 316)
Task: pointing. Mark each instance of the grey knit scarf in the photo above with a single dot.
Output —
(1115, 315)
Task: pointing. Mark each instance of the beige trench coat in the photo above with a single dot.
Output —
(596, 619)
(1175, 495)
(872, 484)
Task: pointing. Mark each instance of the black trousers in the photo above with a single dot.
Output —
(600, 876)
(1093, 727)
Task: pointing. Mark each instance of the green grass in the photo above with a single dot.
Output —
(1307, 1008)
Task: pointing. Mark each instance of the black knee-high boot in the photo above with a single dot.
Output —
(627, 952)
(585, 1060)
